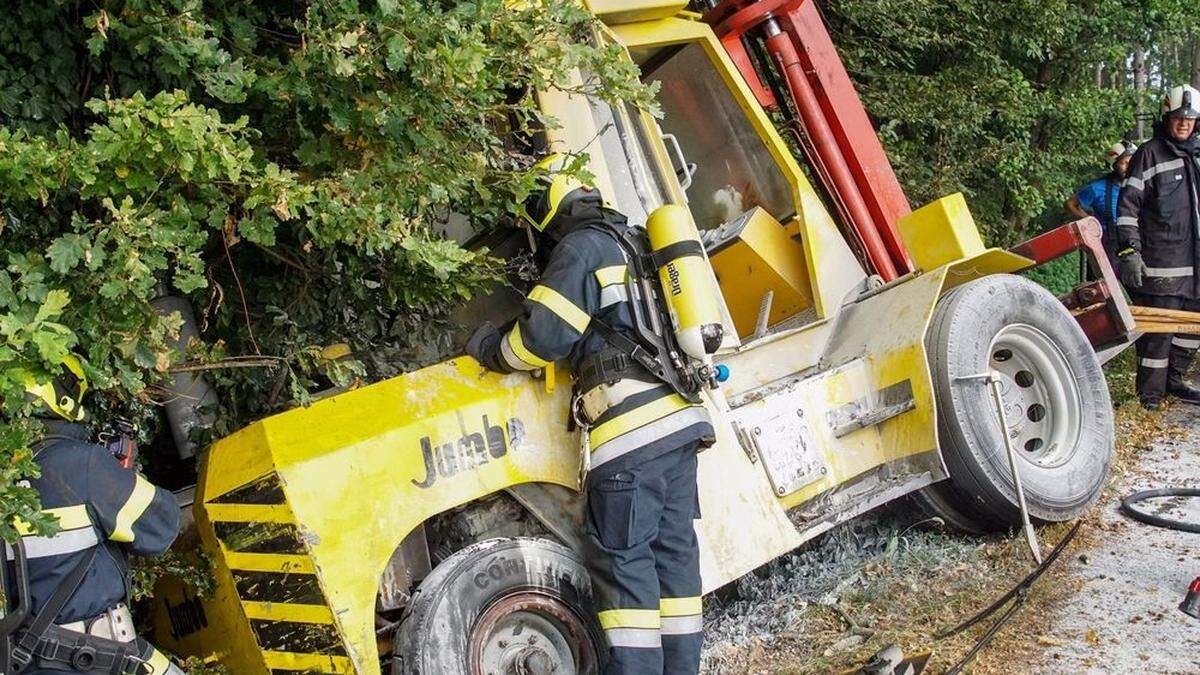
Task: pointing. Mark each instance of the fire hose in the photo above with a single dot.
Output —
(1129, 508)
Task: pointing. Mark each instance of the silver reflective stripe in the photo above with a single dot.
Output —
(604, 396)
(1127, 220)
(1162, 167)
(611, 295)
(645, 638)
(1135, 183)
(647, 434)
(1185, 343)
(66, 541)
(1153, 363)
(682, 625)
(1169, 272)
(512, 359)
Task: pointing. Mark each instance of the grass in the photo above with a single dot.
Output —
(925, 580)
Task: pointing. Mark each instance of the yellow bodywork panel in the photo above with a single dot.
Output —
(626, 11)
(330, 491)
(757, 256)
(941, 232)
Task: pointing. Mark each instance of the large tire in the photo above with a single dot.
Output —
(502, 606)
(1055, 398)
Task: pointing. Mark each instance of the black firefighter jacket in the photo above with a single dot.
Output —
(98, 503)
(585, 279)
(1157, 215)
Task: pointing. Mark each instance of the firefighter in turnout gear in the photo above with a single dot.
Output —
(640, 435)
(1158, 246)
(78, 579)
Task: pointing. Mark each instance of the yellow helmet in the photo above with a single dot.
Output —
(557, 190)
(62, 394)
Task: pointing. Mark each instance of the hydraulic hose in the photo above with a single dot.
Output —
(1128, 507)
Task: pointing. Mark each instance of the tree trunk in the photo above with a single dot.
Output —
(1139, 87)
(1099, 75)
(1195, 76)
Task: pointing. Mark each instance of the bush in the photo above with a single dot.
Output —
(284, 165)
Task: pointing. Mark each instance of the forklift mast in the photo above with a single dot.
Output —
(786, 55)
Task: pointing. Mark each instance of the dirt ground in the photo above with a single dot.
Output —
(1109, 606)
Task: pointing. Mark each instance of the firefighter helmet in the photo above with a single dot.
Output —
(63, 393)
(1182, 101)
(1121, 149)
(556, 191)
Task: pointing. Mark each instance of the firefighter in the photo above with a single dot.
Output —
(1158, 247)
(79, 578)
(641, 435)
(1099, 197)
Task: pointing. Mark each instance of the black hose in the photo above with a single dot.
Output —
(1127, 507)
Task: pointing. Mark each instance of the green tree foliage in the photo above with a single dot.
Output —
(285, 165)
(1012, 103)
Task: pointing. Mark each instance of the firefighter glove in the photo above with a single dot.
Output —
(482, 342)
(1131, 269)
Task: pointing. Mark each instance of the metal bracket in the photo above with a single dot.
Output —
(993, 383)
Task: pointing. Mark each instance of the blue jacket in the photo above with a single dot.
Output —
(1100, 198)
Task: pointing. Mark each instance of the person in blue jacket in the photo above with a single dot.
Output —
(1099, 197)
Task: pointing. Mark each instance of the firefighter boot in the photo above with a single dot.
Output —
(1183, 348)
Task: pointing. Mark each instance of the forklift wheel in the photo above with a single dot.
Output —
(502, 606)
(1055, 398)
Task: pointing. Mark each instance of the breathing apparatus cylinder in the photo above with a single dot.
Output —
(687, 283)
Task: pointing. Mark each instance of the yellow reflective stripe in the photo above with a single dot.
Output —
(607, 276)
(159, 663)
(517, 345)
(135, 506)
(680, 606)
(635, 418)
(69, 518)
(563, 308)
(629, 618)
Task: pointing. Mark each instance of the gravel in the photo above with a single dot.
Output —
(767, 606)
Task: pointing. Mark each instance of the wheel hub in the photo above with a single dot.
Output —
(1040, 395)
(529, 633)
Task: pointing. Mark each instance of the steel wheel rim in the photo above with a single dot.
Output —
(1041, 396)
(531, 633)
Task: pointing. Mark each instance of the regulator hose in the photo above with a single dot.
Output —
(1128, 508)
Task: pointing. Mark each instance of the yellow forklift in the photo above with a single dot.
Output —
(430, 523)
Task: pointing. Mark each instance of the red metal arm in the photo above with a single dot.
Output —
(841, 143)
(1099, 306)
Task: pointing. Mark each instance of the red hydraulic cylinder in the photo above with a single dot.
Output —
(780, 46)
(820, 92)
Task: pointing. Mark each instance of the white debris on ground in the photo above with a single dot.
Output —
(768, 606)
(1125, 618)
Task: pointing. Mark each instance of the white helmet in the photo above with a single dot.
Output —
(1121, 149)
(1182, 101)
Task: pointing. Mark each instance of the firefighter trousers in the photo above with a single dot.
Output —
(645, 564)
(1164, 358)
